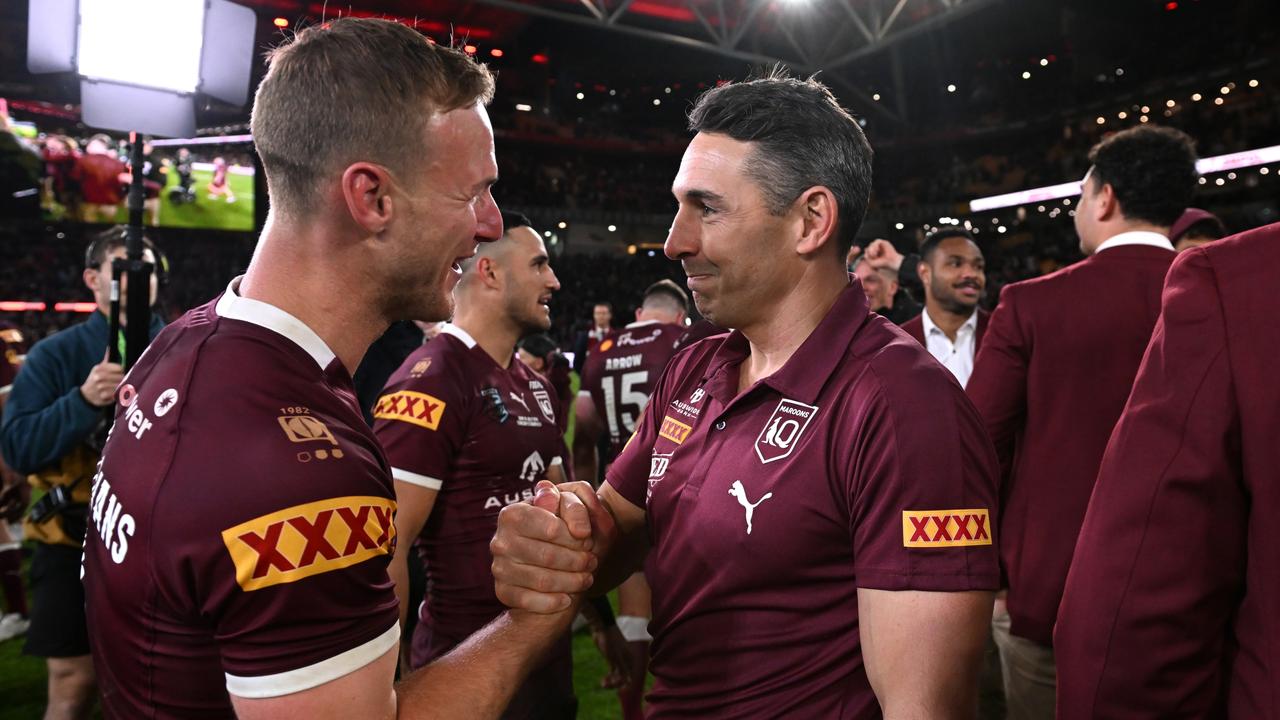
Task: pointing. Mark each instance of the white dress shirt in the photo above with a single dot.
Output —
(1136, 237)
(955, 356)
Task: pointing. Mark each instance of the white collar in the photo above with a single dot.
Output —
(1136, 237)
(256, 312)
(463, 335)
(640, 323)
(931, 327)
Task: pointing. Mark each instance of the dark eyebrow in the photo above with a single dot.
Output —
(703, 195)
(540, 259)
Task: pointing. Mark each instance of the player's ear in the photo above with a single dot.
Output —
(818, 214)
(487, 270)
(90, 277)
(366, 190)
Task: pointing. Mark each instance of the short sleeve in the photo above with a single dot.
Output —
(922, 486)
(629, 472)
(421, 418)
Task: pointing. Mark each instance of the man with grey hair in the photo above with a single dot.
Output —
(242, 514)
(810, 495)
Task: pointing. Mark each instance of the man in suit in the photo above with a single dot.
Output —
(1056, 366)
(953, 273)
(1170, 604)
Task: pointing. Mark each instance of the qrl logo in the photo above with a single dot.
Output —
(783, 430)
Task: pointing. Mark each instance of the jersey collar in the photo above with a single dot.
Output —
(256, 312)
(805, 374)
(463, 335)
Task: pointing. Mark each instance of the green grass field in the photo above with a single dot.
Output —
(215, 214)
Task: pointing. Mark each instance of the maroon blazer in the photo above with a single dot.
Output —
(1171, 604)
(915, 328)
(1055, 369)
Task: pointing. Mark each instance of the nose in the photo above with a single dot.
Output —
(488, 219)
(682, 238)
(553, 283)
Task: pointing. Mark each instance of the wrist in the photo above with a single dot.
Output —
(85, 399)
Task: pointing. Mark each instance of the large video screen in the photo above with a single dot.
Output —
(205, 182)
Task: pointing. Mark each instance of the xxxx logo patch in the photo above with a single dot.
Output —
(310, 539)
(408, 406)
(945, 528)
(674, 430)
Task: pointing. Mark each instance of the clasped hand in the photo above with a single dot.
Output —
(546, 551)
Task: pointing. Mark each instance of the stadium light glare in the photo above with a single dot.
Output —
(581, 96)
(497, 52)
(1231, 176)
(1144, 118)
(876, 97)
(1102, 120)
(1220, 182)
(524, 107)
(1253, 83)
(951, 88)
(1169, 103)
(106, 54)
(1002, 229)
(1261, 171)
(1224, 89)
(281, 22)
(1218, 101)
(562, 225)
(1026, 74)
(1122, 115)
(1119, 72)
(1146, 109)
(1044, 62)
(613, 228)
(900, 226)
(1196, 97)
(657, 102)
(469, 49)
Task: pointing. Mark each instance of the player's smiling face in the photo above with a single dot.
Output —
(724, 235)
(448, 210)
(529, 280)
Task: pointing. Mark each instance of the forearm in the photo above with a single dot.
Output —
(625, 558)
(479, 677)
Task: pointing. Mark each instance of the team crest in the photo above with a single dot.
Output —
(783, 430)
(544, 404)
(419, 368)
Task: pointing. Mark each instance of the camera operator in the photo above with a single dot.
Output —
(54, 426)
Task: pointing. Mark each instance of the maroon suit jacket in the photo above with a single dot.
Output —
(1055, 369)
(915, 328)
(1171, 605)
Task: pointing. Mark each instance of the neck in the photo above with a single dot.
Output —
(776, 336)
(492, 330)
(948, 321)
(315, 277)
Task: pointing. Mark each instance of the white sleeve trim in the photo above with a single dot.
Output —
(557, 460)
(305, 678)
(414, 478)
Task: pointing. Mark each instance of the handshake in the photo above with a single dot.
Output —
(547, 551)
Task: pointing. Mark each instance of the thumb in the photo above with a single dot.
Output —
(546, 496)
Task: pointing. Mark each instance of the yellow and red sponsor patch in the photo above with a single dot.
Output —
(305, 540)
(945, 528)
(412, 407)
(674, 430)
(607, 345)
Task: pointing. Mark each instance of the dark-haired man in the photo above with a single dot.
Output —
(817, 492)
(1169, 608)
(954, 276)
(52, 433)
(468, 429)
(1196, 227)
(1056, 367)
(236, 562)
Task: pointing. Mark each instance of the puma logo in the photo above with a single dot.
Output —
(740, 493)
(519, 399)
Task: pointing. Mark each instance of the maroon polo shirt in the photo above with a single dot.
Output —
(454, 421)
(620, 375)
(859, 464)
(242, 521)
(1170, 608)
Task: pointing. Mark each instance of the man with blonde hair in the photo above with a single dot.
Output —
(241, 518)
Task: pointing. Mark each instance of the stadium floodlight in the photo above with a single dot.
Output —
(110, 44)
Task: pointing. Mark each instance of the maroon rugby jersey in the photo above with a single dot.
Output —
(621, 373)
(859, 464)
(242, 521)
(453, 420)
